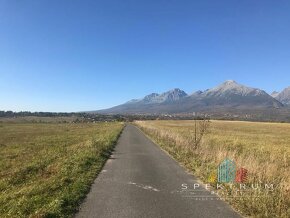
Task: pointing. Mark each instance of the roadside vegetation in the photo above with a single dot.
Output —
(46, 169)
(262, 148)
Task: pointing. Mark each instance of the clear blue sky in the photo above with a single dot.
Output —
(75, 55)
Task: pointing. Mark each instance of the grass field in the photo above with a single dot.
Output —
(262, 148)
(35, 119)
(47, 169)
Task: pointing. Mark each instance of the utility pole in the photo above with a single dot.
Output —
(195, 132)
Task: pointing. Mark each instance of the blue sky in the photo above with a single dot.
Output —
(75, 55)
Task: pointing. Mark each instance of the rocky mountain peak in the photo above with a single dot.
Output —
(173, 95)
(232, 87)
(274, 94)
(176, 91)
(230, 82)
(228, 96)
(284, 96)
(151, 97)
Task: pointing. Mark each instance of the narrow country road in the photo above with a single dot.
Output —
(141, 180)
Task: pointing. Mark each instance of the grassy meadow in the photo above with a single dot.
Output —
(47, 169)
(262, 148)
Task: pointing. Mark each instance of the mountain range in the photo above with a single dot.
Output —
(283, 97)
(228, 97)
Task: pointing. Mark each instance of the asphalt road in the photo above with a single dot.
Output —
(141, 180)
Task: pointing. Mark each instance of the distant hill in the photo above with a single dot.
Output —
(283, 97)
(229, 96)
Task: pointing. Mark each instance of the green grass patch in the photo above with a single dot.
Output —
(46, 170)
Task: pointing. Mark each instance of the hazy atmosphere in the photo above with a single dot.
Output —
(89, 55)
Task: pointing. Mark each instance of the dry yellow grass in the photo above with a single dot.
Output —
(262, 148)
